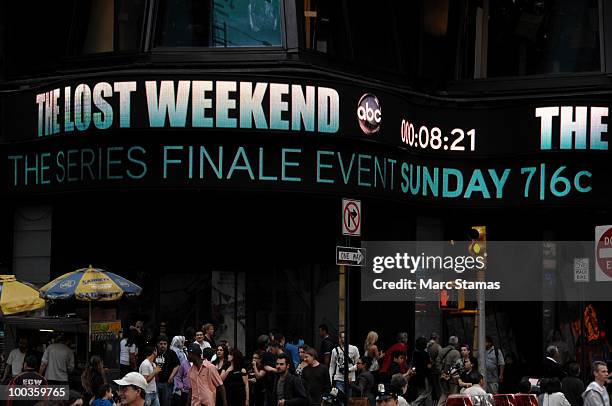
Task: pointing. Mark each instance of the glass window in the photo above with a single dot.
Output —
(375, 34)
(372, 37)
(325, 28)
(38, 35)
(106, 26)
(130, 20)
(218, 23)
(439, 44)
(35, 35)
(527, 37)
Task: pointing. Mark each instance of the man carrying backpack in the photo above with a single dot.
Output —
(494, 361)
(447, 358)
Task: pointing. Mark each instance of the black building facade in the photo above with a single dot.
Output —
(203, 148)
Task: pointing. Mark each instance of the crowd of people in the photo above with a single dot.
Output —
(286, 371)
(196, 370)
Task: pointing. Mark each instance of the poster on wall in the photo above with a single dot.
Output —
(228, 307)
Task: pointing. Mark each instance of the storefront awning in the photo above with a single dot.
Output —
(61, 324)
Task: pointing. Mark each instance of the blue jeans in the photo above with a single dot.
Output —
(340, 386)
(151, 399)
(164, 392)
(344, 395)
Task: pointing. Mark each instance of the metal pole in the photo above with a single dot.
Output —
(235, 309)
(346, 335)
(89, 332)
(582, 338)
(480, 275)
(481, 333)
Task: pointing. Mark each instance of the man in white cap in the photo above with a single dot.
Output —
(132, 389)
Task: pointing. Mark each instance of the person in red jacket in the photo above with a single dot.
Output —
(400, 346)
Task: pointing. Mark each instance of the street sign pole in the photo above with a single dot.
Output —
(482, 328)
(348, 256)
(344, 319)
(346, 332)
(481, 332)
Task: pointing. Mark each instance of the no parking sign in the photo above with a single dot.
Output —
(603, 253)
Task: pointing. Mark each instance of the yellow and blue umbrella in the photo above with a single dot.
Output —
(89, 284)
(17, 297)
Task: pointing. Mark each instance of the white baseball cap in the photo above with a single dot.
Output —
(133, 378)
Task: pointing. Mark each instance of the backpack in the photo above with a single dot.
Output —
(438, 364)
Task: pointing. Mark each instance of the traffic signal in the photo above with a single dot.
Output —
(447, 299)
(478, 241)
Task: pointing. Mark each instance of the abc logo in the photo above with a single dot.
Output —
(369, 114)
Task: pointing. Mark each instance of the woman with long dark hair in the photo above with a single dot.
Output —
(128, 353)
(93, 378)
(236, 380)
(222, 362)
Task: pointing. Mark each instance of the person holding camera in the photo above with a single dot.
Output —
(466, 372)
(399, 362)
(336, 364)
(447, 358)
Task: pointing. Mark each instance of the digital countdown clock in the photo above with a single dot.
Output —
(434, 139)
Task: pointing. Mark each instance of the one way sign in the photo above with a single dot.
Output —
(350, 256)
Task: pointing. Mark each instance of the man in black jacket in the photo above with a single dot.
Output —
(551, 367)
(572, 386)
(288, 388)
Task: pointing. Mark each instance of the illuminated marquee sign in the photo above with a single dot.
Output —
(316, 137)
(574, 127)
(189, 103)
(293, 164)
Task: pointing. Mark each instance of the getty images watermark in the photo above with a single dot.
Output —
(504, 270)
(411, 263)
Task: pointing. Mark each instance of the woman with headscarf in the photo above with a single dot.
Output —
(180, 396)
(178, 346)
